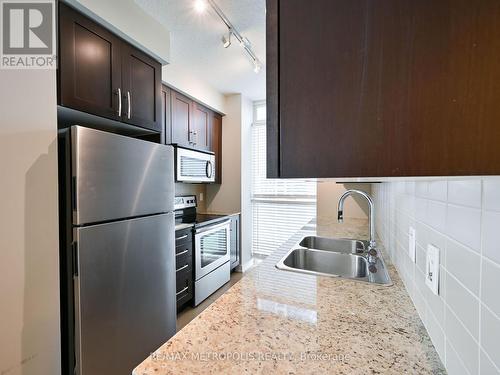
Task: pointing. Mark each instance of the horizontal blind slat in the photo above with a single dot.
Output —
(280, 207)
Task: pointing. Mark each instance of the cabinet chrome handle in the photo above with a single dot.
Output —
(192, 137)
(129, 105)
(182, 291)
(181, 237)
(182, 268)
(119, 102)
(181, 253)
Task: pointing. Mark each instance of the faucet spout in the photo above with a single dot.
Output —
(371, 211)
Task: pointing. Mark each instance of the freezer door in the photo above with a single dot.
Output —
(119, 177)
(125, 305)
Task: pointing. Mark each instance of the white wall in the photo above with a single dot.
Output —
(199, 190)
(233, 195)
(327, 197)
(185, 82)
(461, 218)
(131, 23)
(226, 198)
(29, 255)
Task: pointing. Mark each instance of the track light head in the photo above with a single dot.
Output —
(257, 66)
(226, 40)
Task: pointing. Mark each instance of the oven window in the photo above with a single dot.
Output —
(213, 246)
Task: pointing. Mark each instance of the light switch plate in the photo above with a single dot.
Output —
(432, 269)
(412, 245)
(201, 197)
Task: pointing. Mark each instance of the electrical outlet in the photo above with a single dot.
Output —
(201, 197)
(412, 245)
(432, 269)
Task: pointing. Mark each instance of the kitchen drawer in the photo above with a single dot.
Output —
(184, 289)
(185, 248)
(181, 262)
(183, 236)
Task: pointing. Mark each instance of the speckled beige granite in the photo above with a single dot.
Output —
(283, 322)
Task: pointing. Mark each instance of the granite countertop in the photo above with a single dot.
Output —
(282, 322)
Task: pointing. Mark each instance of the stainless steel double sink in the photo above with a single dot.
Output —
(334, 257)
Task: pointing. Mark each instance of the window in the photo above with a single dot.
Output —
(280, 207)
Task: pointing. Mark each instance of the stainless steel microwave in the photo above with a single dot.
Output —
(194, 166)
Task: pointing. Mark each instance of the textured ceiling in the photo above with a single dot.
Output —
(195, 42)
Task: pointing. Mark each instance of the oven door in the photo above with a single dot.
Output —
(211, 247)
(194, 166)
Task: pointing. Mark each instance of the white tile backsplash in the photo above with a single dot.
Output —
(464, 264)
(454, 364)
(487, 366)
(491, 230)
(465, 193)
(438, 190)
(421, 209)
(463, 343)
(461, 218)
(422, 189)
(490, 281)
(436, 215)
(464, 304)
(490, 332)
(491, 194)
(464, 225)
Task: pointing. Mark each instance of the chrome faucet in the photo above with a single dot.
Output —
(371, 212)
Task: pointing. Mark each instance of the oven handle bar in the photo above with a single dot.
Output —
(211, 227)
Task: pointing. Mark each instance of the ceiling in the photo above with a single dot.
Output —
(195, 42)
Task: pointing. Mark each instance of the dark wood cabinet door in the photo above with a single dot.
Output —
(383, 88)
(181, 119)
(89, 65)
(217, 146)
(166, 115)
(201, 127)
(141, 95)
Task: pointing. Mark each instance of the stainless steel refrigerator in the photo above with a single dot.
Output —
(117, 250)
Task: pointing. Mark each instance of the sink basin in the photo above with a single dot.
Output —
(334, 244)
(335, 258)
(327, 262)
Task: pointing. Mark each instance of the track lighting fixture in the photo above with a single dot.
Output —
(201, 5)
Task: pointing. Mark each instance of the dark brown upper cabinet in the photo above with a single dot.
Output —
(182, 111)
(191, 123)
(201, 129)
(103, 75)
(166, 114)
(90, 65)
(141, 80)
(383, 88)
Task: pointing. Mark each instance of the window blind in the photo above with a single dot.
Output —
(280, 206)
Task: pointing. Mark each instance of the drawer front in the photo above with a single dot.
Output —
(183, 264)
(183, 236)
(184, 289)
(183, 249)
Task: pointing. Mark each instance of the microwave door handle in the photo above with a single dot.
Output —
(209, 169)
